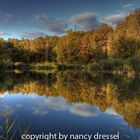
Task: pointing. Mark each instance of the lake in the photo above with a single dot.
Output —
(69, 103)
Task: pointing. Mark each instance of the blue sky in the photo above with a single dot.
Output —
(32, 18)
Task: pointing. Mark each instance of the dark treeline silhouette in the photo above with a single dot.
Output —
(80, 47)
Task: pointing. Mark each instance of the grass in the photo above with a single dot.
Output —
(8, 128)
(63, 67)
(42, 66)
(130, 66)
(54, 66)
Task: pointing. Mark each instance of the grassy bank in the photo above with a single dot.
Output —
(40, 66)
(130, 66)
(5, 67)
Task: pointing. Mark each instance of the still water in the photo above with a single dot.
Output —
(70, 103)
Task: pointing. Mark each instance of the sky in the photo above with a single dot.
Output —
(32, 18)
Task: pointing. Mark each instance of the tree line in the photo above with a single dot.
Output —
(77, 47)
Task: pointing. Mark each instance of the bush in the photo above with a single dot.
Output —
(118, 65)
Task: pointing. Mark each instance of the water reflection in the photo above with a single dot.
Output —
(69, 101)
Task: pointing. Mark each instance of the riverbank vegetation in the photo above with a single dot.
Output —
(104, 48)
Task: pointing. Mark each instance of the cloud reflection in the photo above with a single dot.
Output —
(42, 105)
(84, 110)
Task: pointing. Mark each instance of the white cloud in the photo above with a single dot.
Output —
(6, 17)
(86, 21)
(56, 103)
(40, 111)
(116, 18)
(84, 110)
(128, 5)
(50, 103)
(111, 111)
(4, 33)
(32, 35)
(58, 25)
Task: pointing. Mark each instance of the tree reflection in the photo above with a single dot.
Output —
(104, 91)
